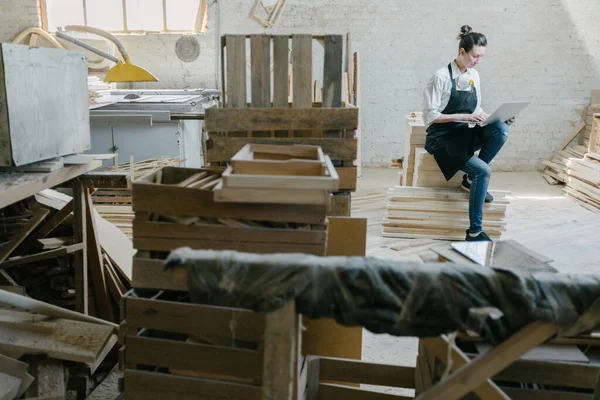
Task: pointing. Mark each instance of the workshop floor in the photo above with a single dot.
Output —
(539, 217)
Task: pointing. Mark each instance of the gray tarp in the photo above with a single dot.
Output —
(387, 296)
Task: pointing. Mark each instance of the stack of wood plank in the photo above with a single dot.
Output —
(574, 147)
(439, 213)
(583, 175)
(416, 134)
(427, 173)
(271, 119)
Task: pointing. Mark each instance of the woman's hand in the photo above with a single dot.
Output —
(469, 117)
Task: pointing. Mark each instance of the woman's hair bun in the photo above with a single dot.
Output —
(464, 31)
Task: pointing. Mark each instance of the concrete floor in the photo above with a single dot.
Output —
(539, 217)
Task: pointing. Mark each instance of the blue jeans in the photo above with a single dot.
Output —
(493, 137)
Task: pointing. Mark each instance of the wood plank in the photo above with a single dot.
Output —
(185, 202)
(226, 233)
(331, 392)
(18, 370)
(235, 46)
(260, 66)
(96, 263)
(81, 257)
(332, 76)
(57, 338)
(537, 394)
(271, 196)
(355, 371)
(223, 361)
(49, 378)
(167, 244)
(280, 351)
(17, 239)
(53, 222)
(348, 178)
(339, 205)
(191, 319)
(227, 120)
(281, 60)
(472, 375)
(152, 386)
(46, 255)
(109, 388)
(223, 148)
(438, 348)
(302, 65)
(150, 274)
(115, 244)
(571, 374)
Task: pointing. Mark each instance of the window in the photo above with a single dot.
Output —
(128, 16)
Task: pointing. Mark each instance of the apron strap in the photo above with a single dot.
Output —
(451, 77)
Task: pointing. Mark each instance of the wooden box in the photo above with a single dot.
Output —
(174, 349)
(43, 104)
(168, 216)
(286, 105)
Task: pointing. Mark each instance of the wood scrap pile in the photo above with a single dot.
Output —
(46, 351)
(583, 175)
(144, 167)
(416, 133)
(41, 254)
(97, 88)
(574, 147)
(439, 213)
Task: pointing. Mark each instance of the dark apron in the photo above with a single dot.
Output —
(452, 144)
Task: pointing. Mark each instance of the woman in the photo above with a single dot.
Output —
(452, 96)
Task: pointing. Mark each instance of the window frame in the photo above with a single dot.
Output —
(200, 26)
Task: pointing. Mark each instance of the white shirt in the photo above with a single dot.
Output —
(437, 92)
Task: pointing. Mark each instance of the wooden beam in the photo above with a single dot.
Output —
(46, 255)
(230, 119)
(81, 258)
(472, 375)
(32, 223)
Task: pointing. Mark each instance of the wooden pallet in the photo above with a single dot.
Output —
(173, 349)
(268, 119)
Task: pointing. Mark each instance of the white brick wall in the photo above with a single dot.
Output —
(16, 15)
(545, 51)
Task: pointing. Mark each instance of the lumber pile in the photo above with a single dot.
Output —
(574, 147)
(97, 88)
(143, 167)
(439, 213)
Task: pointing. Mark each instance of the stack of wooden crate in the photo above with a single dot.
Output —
(269, 117)
(427, 173)
(439, 213)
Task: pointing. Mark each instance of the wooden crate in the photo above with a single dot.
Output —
(324, 375)
(275, 119)
(416, 133)
(168, 217)
(173, 349)
(427, 173)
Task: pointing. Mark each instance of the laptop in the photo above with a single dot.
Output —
(505, 112)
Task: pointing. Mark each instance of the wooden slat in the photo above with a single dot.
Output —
(167, 244)
(354, 371)
(236, 71)
(271, 196)
(260, 65)
(280, 75)
(551, 373)
(53, 222)
(169, 200)
(150, 274)
(197, 320)
(333, 392)
(46, 255)
(223, 361)
(227, 233)
(228, 119)
(524, 394)
(281, 341)
(302, 64)
(152, 386)
(223, 148)
(332, 76)
(32, 223)
(81, 257)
